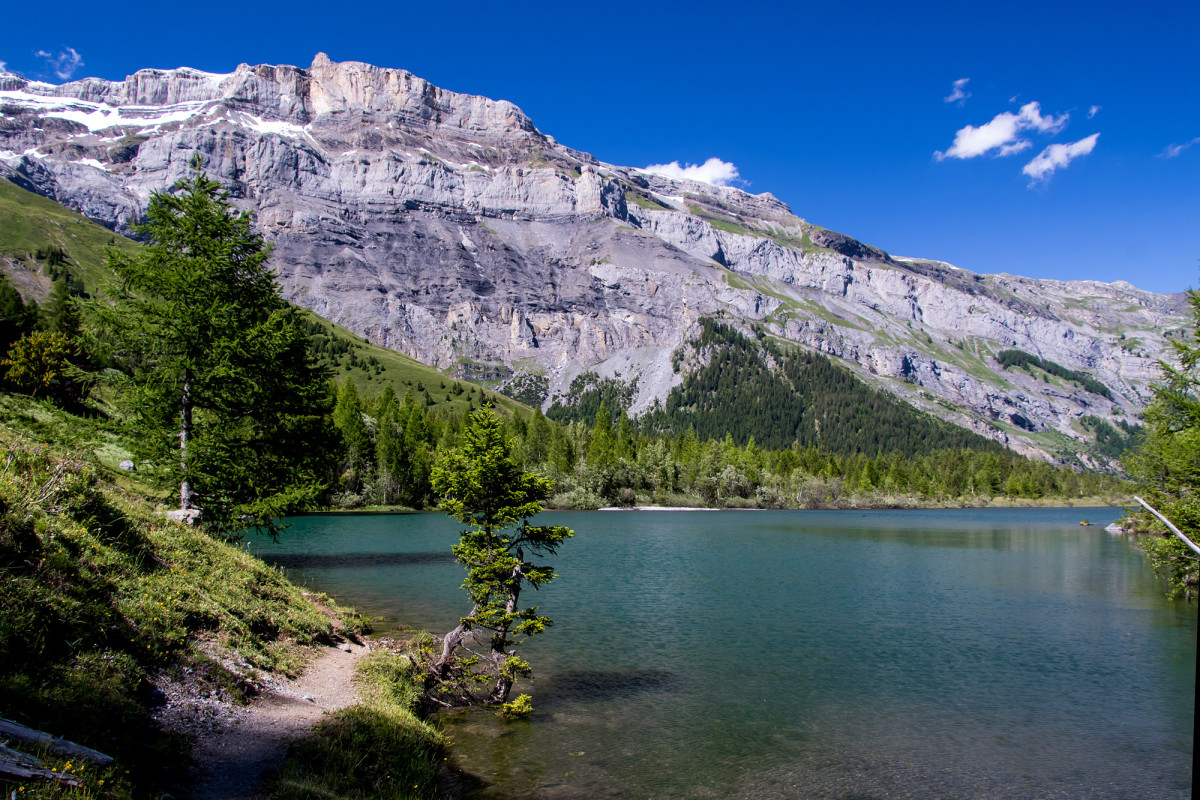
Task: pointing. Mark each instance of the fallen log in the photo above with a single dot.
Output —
(19, 770)
(15, 730)
(8, 754)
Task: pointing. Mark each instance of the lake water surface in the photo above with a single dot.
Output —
(803, 654)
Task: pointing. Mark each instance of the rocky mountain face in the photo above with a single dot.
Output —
(448, 227)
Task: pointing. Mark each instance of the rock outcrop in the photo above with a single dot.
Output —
(448, 227)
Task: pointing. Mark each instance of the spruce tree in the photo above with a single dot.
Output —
(231, 409)
(60, 314)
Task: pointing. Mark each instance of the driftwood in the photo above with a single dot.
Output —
(14, 730)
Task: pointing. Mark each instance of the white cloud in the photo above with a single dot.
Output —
(1014, 148)
(713, 171)
(64, 64)
(1093, 111)
(1173, 150)
(1058, 155)
(1002, 133)
(959, 94)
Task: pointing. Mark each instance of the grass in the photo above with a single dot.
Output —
(731, 279)
(30, 222)
(402, 372)
(729, 224)
(645, 201)
(721, 222)
(99, 596)
(379, 748)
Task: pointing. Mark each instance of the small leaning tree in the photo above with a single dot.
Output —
(482, 486)
(229, 406)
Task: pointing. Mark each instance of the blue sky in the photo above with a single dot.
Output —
(856, 115)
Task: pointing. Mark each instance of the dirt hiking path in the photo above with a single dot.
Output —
(231, 760)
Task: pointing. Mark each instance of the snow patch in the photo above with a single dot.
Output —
(946, 264)
(217, 76)
(91, 162)
(278, 127)
(98, 117)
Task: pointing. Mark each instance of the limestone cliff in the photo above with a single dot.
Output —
(448, 227)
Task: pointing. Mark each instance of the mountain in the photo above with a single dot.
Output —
(449, 228)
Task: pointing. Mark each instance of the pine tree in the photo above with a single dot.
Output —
(482, 486)
(230, 407)
(356, 439)
(40, 364)
(601, 452)
(61, 314)
(16, 318)
(416, 487)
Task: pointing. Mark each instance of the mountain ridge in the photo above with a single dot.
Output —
(448, 227)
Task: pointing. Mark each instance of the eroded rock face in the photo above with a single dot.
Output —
(446, 226)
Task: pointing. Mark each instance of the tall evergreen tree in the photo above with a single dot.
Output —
(61, 314)
(347, 416)
(16, 317)
(232, 410)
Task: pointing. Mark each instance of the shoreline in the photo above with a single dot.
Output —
(896, 504)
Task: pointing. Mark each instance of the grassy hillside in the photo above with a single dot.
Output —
(104, 604)
(372, 367)
(101, 600)
(30, 223)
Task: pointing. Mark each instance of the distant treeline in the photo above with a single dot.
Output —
(1019, 358)
(755, 426)
(389, 446)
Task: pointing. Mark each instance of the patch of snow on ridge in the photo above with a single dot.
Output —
(91, 162)
(98, 117)
(926, 260)
(278, 127)
(212, 75)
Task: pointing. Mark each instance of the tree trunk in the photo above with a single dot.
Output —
(15, 730)
(504, 683)
(450, 643)
(185, 430)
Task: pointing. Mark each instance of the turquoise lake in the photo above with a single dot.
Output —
(998, 653)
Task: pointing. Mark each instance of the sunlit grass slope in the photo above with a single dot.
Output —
(101, 599)
(30, 223)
